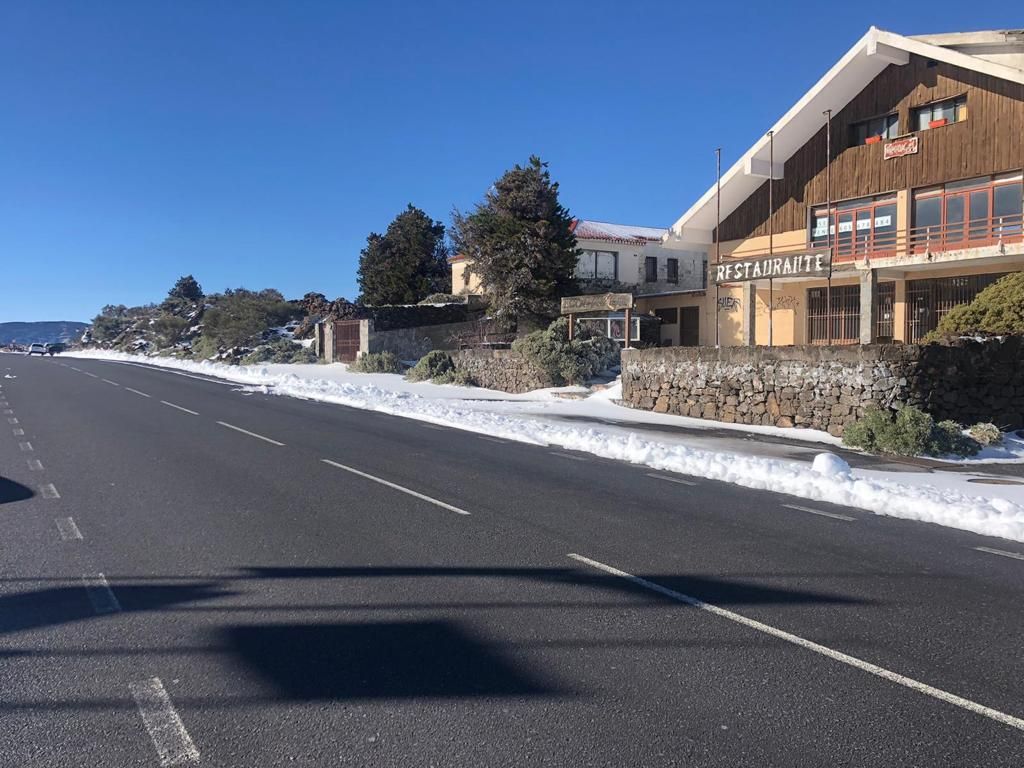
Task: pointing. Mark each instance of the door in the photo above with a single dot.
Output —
(346, 340)
(689, 326)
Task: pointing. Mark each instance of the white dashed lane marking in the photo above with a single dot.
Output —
(67, 529)
(135, 391)
(820, 512)
(1001, 552)
(35, 465)
(12, 420)
(90, 374)
(25, 447)
(864, 666)
(186, 410)
(170, 738)
(18, 432)
(100, 594)
(49, 491)
(247, 432)
(396, 487)
(668, 479)
(108, 381)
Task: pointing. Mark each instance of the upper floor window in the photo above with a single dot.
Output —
(651, 269)
(598, 265)
(856, 227)
(673, 270)
(939, 113)
(972, 212)
(875, 129)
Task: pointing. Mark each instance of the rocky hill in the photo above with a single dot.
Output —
(42, 332)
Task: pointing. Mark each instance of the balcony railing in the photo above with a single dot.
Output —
(849, 247)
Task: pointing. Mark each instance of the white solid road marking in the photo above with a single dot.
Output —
(90, 374)
(670, 479)
(25, 447)
(129, 389)
(864, 666)
(19, 432)
(1003, 552)
(108, 381)
(397, 487)
(35, 465)
(186, 410)
(247, 432)
(100, 594)
(567, 456)
(821, 512)
(49, 491)
(67, 528)
(493, 439)
(433, 426)
(173, 744)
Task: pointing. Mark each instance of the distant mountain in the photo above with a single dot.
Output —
(42, 332)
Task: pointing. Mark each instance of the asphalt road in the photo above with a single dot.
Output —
(196, 574)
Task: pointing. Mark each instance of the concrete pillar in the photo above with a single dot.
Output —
(868, 305)
(749, 314)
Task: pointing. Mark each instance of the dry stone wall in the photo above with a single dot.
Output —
(501, 369)
(828, 388)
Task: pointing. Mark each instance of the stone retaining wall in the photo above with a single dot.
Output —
(501, 369)
(827, 388)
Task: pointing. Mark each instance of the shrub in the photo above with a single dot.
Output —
(456, 376)
(568, 362)
(280, 351)
(378, 362)
(432, 365)
(986, 433)
(910, 432)
(444, 298)
(997, 311)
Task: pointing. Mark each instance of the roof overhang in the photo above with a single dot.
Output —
(875, 51)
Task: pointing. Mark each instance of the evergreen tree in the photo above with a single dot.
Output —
(405, 264)
(186, 288)
(521, 245)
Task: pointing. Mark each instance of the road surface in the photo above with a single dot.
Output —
(194, 574)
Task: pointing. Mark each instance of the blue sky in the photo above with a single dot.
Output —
(256, 144)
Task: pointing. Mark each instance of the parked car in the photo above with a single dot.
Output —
(36, 349)
(53, 349)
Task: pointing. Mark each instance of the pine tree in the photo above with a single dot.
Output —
(186, 288)
(405, 264)
(521, 245)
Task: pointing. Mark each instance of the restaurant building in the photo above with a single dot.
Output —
(888, 194)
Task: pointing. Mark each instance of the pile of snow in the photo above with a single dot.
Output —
(829, 479)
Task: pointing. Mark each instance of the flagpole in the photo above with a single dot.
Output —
(828, 218)
(771, 232)
(718, 235)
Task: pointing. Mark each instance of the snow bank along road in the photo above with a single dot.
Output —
(195, 575)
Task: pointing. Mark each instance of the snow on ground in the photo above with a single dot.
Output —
(542, 418)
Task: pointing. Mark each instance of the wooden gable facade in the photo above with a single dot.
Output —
(989, 141)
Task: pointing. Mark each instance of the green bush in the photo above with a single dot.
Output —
(169, 328)
(910, 432)
(456, 376)
(378, 362)
(568, 362)
(280, 351)
(996, 311)
(986, 433)
(432, 365)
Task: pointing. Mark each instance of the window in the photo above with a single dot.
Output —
(651, 269)
(667, 316)
(940, 113)
(875, 129)
(928, 301)
(858, 227)
(975, 211)
(597, 265)
(839, 323)
(673, 270)
(885, 311)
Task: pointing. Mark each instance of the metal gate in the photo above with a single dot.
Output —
(346, 340)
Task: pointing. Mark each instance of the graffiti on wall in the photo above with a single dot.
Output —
(728, 303)
(786, 302)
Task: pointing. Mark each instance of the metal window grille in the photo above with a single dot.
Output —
(843, 316)
(885, 308)
(928, 301)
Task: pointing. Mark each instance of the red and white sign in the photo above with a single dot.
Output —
(900, 148)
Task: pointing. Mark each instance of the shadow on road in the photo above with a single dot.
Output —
(380, 660)
(12, 491)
